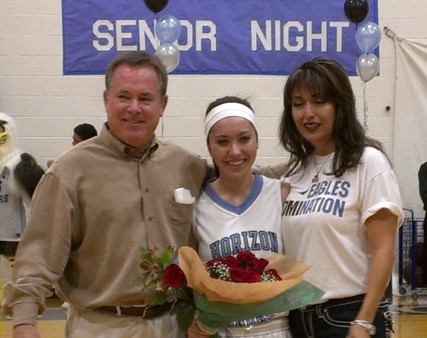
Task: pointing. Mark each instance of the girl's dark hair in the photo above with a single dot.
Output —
(328, 79)
(228, 99)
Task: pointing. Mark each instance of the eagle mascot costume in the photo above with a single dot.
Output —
(20, 174)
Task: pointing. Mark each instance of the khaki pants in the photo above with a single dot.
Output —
(97, 324)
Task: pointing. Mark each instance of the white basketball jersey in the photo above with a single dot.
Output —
(223, 229)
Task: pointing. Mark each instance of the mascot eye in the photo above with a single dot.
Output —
(2, 130)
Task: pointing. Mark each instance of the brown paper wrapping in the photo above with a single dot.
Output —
(217, 290)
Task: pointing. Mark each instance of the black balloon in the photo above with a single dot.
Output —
(156, 5)
(356, 10)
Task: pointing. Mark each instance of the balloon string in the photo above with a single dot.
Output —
(156, 20)
(365, 109)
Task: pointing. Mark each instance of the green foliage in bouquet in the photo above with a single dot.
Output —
(153, 267)
(163, 277)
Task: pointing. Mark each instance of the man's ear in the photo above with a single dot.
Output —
(104, 96)
(164, 103)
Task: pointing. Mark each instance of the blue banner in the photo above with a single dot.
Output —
(217, 36)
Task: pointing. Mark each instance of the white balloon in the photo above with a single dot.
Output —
(367, 66)
(169, 55)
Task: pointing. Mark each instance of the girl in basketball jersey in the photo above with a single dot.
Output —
(239, 210)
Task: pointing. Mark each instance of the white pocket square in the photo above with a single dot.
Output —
(183, 196)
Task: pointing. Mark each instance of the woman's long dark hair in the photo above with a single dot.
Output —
(328, 79)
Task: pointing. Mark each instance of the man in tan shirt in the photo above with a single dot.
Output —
(97, 205)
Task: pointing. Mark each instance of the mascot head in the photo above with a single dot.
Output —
(7, 135)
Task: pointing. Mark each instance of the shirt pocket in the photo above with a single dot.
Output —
(179, 218)
(179, 215)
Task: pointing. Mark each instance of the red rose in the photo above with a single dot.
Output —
(248, 260)
(239, 275)
(173, 276)
(274, 274)
(231, 261)
(258, 264)
(245, 257)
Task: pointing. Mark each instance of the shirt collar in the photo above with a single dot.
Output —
(126, 149)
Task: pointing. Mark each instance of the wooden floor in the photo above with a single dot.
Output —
(410, 326)
(407, 323)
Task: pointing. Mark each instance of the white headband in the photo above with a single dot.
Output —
(228, 109)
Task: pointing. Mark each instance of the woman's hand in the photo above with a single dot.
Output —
(194, 331)
(25, 331)
(356, 331)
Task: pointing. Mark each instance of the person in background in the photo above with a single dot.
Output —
(343, 209)
(422, 181)
(83, 132)
(236, 202)
(97, 206)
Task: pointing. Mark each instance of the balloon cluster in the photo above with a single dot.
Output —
(167, 29)
(368, 37)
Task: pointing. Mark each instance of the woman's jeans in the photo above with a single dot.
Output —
(332, 319)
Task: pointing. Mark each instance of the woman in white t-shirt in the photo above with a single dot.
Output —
(344, 207)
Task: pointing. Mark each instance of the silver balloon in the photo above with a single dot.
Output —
(170, 56)
(367, 66)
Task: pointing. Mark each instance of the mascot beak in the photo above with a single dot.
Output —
(3, 138)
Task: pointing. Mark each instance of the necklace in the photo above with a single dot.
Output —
(316, 174)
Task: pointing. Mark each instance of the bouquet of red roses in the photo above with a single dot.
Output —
(245, 268)
(234, 288)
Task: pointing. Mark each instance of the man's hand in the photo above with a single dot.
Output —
(25, 331)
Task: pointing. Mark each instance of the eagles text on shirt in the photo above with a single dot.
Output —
(326, 197)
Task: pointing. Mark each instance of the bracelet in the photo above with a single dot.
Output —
(366, 325)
